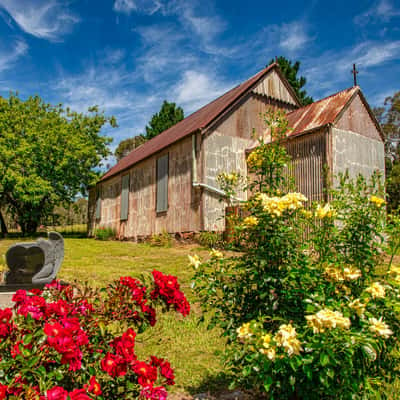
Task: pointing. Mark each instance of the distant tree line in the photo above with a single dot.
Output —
(388, 116)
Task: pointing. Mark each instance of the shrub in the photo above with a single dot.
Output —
(104, 233)
(80, 342)
(210, 239)
(162, 239)
(307, 318)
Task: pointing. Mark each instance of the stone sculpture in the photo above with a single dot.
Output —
(35, 263)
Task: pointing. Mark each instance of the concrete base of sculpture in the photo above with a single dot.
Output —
(33, 265)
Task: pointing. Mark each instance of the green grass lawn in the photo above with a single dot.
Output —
(188, 345)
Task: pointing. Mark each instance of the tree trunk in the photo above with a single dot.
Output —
(28, 228)
(3, 226)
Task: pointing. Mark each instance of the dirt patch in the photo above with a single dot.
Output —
(226, 395)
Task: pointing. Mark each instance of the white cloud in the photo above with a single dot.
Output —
(142, 6)
(382, 10)
(197, 89)
(371, 55)
(43, 19)
(8, 57)
(95, 86)
(166, 53)
(293, 36)
(333, 68)
(124, 6)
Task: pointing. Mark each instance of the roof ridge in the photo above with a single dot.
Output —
(324, 98)
(193, 122)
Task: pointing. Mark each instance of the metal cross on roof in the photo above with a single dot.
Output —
(354, 72)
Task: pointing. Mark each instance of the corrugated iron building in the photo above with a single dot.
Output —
(169, 183)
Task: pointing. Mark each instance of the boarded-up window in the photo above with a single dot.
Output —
(162, 184)
(98, 203)
(125, 197)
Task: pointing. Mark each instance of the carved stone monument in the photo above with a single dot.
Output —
(34, 264)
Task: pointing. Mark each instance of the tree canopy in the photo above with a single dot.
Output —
(127, 145)
(290, 70)
(388, 116)
(168, 116)
(47, 156)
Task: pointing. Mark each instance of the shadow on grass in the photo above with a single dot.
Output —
(18, 235)
(217, 387)
(213, 384)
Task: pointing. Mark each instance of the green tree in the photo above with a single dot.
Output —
(127, 145)
(47, 156)
(388, 116)
(168, 116)
(290, 70)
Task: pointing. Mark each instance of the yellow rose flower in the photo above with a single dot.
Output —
(255, 159)
(216, 253)
(286, 337)
(250, 221)
(327, 319)
(266, 340)
(244, 332)
(194, 261)
(351, 273)
(270, 353)
(380, 328)
(338, 274)
(376, 290)
(358, 306)
(378, 201)
(277, 205)
(325, 212)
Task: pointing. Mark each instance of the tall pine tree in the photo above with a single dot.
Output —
(290, 70)
(168, 116)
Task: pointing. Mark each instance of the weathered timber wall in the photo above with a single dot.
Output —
(308, 155)
(273, 86)
(356, 153)
(183, 212)
(357, 119)
(224, 150)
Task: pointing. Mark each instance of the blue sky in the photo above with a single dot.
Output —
(127, 56)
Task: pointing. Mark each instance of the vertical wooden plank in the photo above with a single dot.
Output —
(124, 198)
(162, 184)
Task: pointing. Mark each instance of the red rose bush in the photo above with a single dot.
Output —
(76, 343)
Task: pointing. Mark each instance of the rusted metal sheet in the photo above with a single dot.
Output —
(308, 157)
(357, 118)
(320, 113)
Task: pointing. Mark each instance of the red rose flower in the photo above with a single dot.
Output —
(167, 287)
(94, 386)
(3, 391)
(79, 394)
(154, 393)
(147, 374)
(57, 393)
(113, 365)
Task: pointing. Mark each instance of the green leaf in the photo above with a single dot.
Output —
(27, 339)
(324, 359)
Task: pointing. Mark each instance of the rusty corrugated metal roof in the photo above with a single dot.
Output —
(198, 120)
(320, 113)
